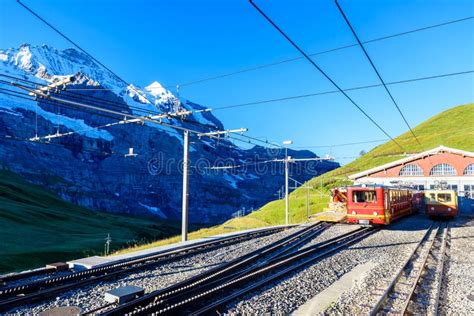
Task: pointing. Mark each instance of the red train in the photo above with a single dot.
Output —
(381, 205)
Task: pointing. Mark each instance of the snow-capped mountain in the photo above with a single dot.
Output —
(89, 167)
(45, 64)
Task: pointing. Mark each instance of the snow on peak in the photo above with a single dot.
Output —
(155, 89)
(136, 94)
(45, 64)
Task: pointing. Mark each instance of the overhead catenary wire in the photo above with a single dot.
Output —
(375, 69)
(141, 118)
(323, 73)
(15, 94)
(263, 66)
(104, 102)
(193, 122)
(343, 144)
(298, 96)
(302, 96)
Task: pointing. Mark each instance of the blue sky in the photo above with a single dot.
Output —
(178, 41)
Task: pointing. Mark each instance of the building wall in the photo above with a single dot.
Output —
(463, 184)
(457, 161)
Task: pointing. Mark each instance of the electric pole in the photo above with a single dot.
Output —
(307, 201)
(108, 240)
(184, 221)
(287, 199)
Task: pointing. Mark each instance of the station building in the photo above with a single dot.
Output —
(451, 167)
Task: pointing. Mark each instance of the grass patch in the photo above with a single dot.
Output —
(37, 227)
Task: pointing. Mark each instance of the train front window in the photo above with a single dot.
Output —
(364, 196)
(444, 197)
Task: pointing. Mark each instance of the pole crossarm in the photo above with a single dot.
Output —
(53, 86)
(226, 132)
(302, 159)
(129, 118)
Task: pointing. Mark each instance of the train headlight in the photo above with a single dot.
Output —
(432, 208)
(375, 213)
(353, 212)
(449, 209)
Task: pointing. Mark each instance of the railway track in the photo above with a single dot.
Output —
(417, 286)
(38, 290)
(208, 291)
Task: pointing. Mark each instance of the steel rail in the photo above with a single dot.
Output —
(40, 290)
(24, 275)
(441, 274)
(189, 296)
(221, 271)
(326, 249)
(378, 305)
(418, 276)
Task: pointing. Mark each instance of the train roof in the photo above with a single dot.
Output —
(393, 187)
(441, 190)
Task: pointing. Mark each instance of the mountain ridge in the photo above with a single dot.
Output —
(91, 163)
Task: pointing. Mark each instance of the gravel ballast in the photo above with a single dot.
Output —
(91, 297)
(458, 294)
(375, 259)
(382, 249)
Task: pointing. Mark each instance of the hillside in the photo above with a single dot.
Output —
(37, 227)
(451, 128)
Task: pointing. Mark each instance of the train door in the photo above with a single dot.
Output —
(386, 206)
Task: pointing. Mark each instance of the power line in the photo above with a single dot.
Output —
(249, 69)
(90, 109)
(376, 71)
(291, 97)
(120, 106)
(322, 72)
(104, 102)
(192, 122)
(345, 144)
(302, 96)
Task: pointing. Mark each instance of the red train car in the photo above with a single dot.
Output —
(379, 205)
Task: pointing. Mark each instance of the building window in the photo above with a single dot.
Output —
(411, 170)
(443, 169)
(469, 171)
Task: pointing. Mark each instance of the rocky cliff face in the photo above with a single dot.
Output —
(89, 166)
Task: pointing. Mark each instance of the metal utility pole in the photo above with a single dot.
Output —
(108, 240)
(184, 222)
(287, 160)
(287, 199)
(307, 201)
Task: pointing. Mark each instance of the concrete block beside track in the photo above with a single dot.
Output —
(98, 261)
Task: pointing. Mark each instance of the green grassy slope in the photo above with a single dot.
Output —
(36, 227)
(452, 128)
